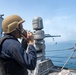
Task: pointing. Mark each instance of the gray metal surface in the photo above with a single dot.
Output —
(73, 72)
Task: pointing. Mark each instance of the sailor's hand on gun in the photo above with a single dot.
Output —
(30, 38)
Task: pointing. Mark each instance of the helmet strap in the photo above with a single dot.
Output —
(23, 35)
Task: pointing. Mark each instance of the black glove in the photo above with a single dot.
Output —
(24, 44)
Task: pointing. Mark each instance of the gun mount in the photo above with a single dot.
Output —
(39, 36)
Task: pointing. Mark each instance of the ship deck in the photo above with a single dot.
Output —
(73, 72)
(57, 71)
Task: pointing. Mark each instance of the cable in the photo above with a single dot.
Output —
(68, 60)
(59, 49)
(56, 57)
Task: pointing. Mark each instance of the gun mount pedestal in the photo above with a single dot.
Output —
(43, 65)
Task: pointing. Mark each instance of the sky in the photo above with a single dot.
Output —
(59, 16)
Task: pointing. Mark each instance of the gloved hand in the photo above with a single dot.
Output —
(30, 38)
(24, 43)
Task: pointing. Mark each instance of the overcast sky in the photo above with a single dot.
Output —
(59, 16)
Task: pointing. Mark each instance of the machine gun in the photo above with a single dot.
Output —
(39, 36)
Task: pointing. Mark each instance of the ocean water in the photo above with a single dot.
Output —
(60, 52)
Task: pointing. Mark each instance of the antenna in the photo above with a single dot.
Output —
(1, 15)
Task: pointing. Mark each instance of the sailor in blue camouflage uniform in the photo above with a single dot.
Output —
(16, 59)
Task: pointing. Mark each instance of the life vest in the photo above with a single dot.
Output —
(2, 59)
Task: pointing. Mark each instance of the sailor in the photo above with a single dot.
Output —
(16, 60)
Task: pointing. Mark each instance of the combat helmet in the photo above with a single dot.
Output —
(10, 23)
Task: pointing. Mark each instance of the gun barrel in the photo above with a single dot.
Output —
(48, 35)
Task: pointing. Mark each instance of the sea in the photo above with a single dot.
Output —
(60, 52)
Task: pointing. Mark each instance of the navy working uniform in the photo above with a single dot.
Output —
(17, 59)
